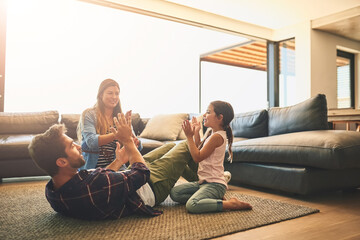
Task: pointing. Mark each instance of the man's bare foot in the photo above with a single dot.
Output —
(235, 204)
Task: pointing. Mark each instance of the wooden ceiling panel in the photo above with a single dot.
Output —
(251, 55)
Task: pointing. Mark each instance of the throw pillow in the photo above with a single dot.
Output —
(164, 127)
(136, 123)
(305, 116)
(250, 124)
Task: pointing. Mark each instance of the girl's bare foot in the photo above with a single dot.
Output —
(235, 204)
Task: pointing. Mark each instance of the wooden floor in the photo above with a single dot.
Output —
(339, 216)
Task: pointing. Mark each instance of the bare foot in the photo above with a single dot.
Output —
(235, 204)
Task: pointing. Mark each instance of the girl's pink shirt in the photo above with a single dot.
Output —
(211, 169)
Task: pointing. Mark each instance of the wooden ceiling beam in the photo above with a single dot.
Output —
(254, 48)
(251, 56)
(235, 64)
(246, 52)
(240, 60)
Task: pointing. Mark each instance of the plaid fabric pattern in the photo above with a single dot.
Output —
(101, 194)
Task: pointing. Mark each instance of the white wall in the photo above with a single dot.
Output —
(323, 64)
(301, 33)
(316, 61)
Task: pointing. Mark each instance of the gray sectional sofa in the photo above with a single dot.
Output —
(290, 149)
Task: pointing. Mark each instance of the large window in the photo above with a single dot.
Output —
(236, 74)
(287, 81)
(245, 89)
(58, 52)
(345, 79)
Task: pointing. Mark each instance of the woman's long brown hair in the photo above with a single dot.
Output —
(102, 126)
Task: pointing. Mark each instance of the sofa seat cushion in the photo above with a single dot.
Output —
(15, 146)
(328, 149)
(149, 144)
(237, 139)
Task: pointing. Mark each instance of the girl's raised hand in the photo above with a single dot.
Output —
(195, 124)
(188, 129)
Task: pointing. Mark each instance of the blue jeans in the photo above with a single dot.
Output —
(199, 198)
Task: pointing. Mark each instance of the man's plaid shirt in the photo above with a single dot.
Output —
(101, 194)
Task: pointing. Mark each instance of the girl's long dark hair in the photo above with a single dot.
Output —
(225, 109)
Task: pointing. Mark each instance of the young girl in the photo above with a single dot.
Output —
(207, 194)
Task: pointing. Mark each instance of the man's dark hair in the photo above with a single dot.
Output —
(47, 147)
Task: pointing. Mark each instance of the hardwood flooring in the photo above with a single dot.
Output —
(339, 216)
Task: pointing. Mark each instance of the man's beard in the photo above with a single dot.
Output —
(79, 163)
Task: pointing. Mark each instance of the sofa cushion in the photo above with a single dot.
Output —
(305, 116)
(329, 149)
(27, 123)
(149, 145)
(164, 127)
(250, 124)
(71, 121)
(15, 146)
(137, 123)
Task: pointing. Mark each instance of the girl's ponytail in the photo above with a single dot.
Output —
(230, 138)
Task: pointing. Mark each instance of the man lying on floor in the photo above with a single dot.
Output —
(105, 193)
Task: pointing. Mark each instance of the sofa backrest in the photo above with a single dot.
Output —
(250, 124)
(27, 122)
(71, 121)
(308, 115)
(137, 123)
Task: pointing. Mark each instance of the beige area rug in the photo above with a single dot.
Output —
(25, 214)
